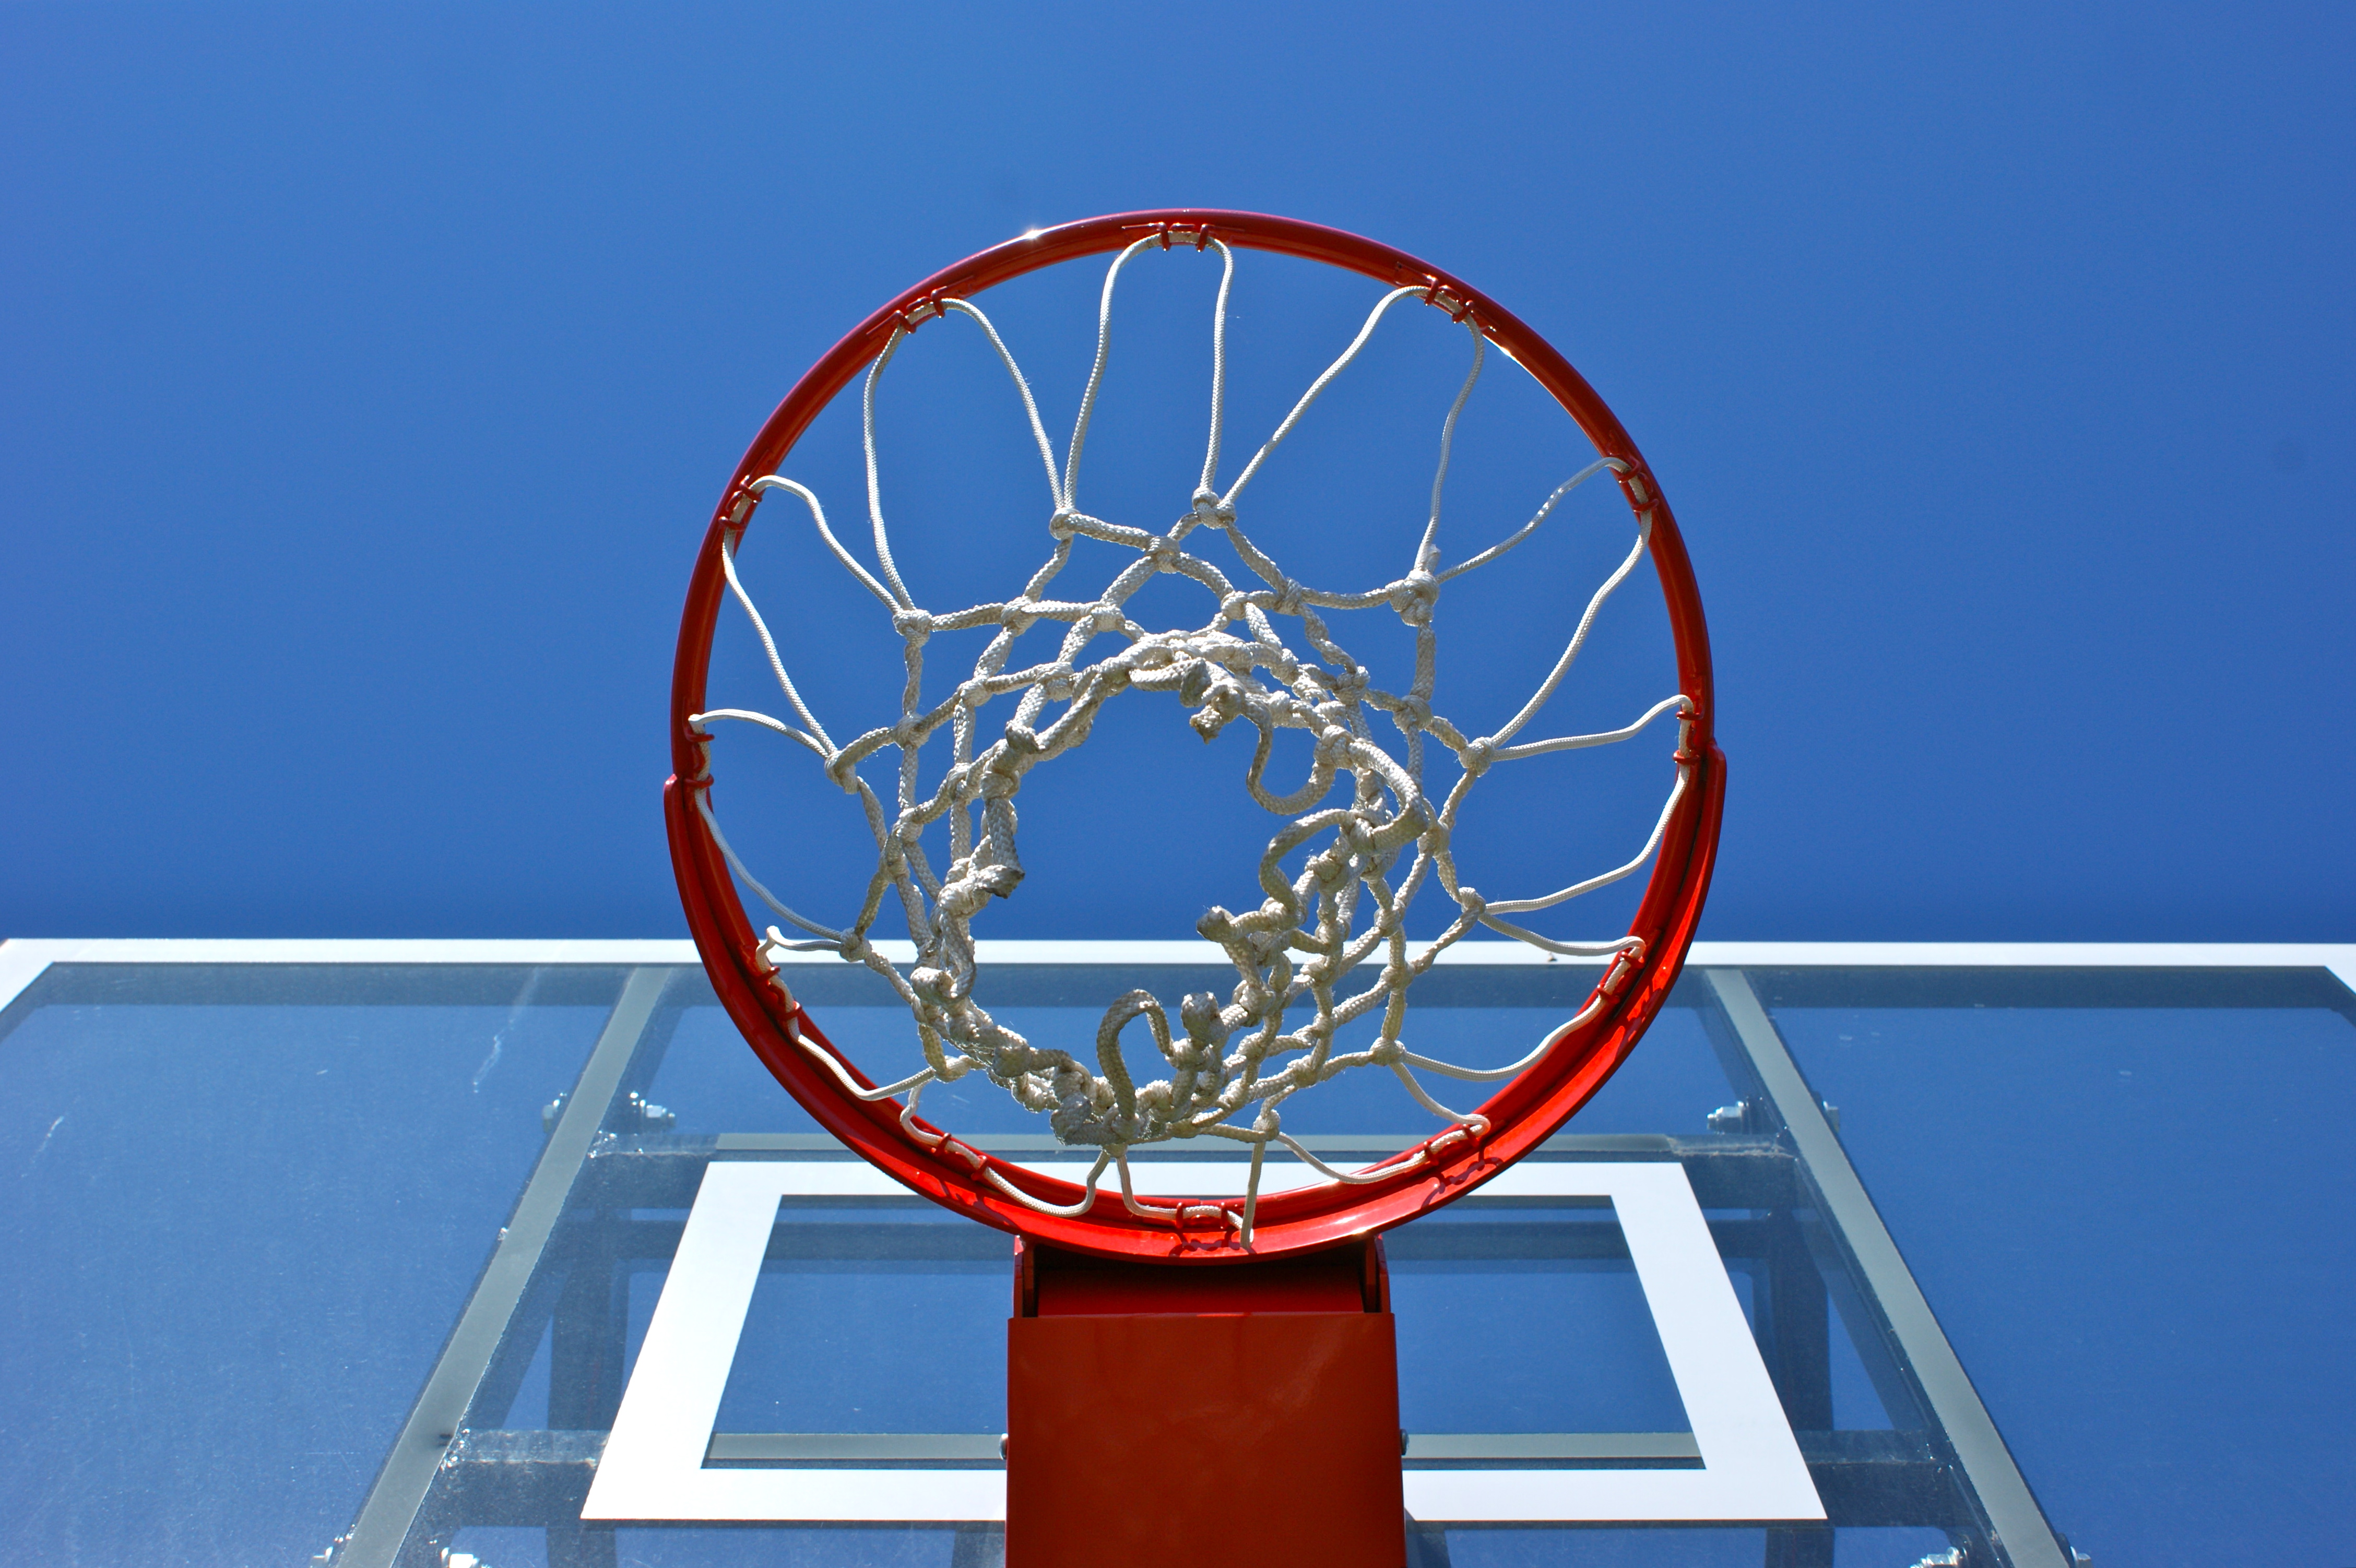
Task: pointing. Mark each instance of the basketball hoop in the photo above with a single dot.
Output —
(1270, 654)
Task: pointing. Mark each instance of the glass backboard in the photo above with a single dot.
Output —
(412, 1252)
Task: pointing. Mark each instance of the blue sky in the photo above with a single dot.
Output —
(370, 373)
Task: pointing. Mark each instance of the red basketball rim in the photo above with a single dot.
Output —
(1522, 1115)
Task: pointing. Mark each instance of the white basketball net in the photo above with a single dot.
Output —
(1340, 922)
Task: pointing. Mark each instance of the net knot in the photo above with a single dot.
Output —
(1469, 899)
(1232, 607)
(933, 993)
(962, 896)
(1354, 833)
(1210, 511)
(1019, 615)
(1288, 598)
(1222, 699)
(1106, 617)
(917, 625)
(1063, 525)
(1195, 683)
(1477, 755)
(1204, 1022)
(1414, 596)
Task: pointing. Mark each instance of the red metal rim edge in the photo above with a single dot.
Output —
(1521, 1116)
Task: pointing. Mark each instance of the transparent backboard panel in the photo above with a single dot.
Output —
(253, 1201)
(2138, 1227)
(245, 1205)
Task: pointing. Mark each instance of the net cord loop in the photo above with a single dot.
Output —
(1203, 487)
(1679, 703)
(768, 482)
(1578, 638)
(704, 804)
(1518, 534)
(769, 644)
(1381, 1170)
(1660, 826)
(765, 721)
(1061, 1210)
(1068, 497)
(1427, 553)
(1595, 1005)
(1317, 387)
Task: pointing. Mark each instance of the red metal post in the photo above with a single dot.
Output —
(1161, 1417)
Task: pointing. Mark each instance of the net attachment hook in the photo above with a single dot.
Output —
(1472, 1131)
(1637, 486)
(1215, 1228)
(1458, 307)
(945, 1145)
(1197, 235)
(740, 504)
(1477, 1167)
(923, 310)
